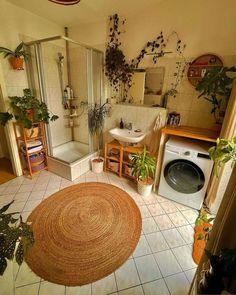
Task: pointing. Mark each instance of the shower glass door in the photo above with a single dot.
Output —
(54, 72)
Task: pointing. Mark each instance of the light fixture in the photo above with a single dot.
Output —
(65, 2)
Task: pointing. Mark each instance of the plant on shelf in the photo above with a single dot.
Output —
(120, 72)
(16, 237)
(222, 273)
(96, 118)
(143, 168)
(16, 56)
(224, 151)
(215, 87)
(26, 110)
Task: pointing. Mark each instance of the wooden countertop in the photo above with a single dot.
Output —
(192, 132)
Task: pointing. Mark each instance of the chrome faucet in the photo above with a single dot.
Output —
(129, 126)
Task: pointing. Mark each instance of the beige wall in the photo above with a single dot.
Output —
(205, 26)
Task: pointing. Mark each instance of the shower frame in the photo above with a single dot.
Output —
(41, 79)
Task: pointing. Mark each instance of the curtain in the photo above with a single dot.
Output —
(227, 132)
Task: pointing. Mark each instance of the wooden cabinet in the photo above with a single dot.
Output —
(32, 147)
(117, 158)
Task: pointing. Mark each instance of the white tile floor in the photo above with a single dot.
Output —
(160, 265)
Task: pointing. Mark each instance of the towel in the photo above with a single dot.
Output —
(153, 138)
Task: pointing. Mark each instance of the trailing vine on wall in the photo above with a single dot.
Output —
(120, 72)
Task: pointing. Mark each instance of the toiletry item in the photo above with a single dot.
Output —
(121, 124)
(71, 93)
(68, 91)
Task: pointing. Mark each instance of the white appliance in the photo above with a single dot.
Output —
(186, 170)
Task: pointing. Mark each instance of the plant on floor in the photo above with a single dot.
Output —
(96, 118)
(16, 55)
(16, 237)
(222, 273)
(202, 230)
(223, 152)
(215, 87)
(120, 72)
(26, 110)
(143, 168)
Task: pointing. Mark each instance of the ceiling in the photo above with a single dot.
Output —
(87, 11)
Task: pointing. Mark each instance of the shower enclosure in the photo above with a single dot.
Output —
(68, 77)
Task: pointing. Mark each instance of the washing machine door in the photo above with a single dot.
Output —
(184, 176)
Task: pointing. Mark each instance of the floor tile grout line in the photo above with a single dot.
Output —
(138, 275)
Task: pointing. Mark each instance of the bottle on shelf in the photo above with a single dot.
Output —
(121, 124)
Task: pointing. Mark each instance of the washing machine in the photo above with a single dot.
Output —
(185, 172)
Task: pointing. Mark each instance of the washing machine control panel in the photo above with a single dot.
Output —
(188, 154)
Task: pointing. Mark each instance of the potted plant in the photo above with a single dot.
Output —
(96, 117)
(27, 109)
(224, 151)
(144, 166)
(215, 87)
(16, 237)
(16, 55)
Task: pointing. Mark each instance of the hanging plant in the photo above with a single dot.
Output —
(119, 72)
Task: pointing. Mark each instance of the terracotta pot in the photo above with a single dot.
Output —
(30, 114)
(16, 63)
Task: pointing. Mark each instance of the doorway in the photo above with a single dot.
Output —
(6, 169)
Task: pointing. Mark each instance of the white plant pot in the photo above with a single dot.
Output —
(144, 189)
(97, 167)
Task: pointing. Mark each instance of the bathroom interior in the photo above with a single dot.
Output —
(161, 110)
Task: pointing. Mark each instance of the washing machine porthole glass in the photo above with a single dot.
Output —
(184, 176)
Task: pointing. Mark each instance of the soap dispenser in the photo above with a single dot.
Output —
(121, 124)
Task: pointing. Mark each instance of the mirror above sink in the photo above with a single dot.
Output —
(127, 136)
(146, 89)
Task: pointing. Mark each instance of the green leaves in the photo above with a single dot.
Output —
(143, 165)
(5, 117)
(13, 231)
(18, 52)
(20, 105)
(216, 87)
(224, 151)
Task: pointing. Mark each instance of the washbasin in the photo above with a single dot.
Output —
(125, 135)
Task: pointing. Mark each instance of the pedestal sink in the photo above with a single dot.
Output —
(128, 136)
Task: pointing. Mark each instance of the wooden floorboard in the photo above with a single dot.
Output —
(6, 171)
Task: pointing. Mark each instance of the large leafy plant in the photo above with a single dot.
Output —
(96, 118)
(21, 104)
(18, 52)
(143, 165)
(16, 237)
(215, 87)
(223, 152)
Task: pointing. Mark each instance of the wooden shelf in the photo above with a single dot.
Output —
(120, 158)
(113, 158)
(128, 176)
(29, 139)
(192, 132)
(25, 156)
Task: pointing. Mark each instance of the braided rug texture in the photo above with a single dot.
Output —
(83, 233)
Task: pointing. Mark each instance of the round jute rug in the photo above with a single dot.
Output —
(83, 233)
